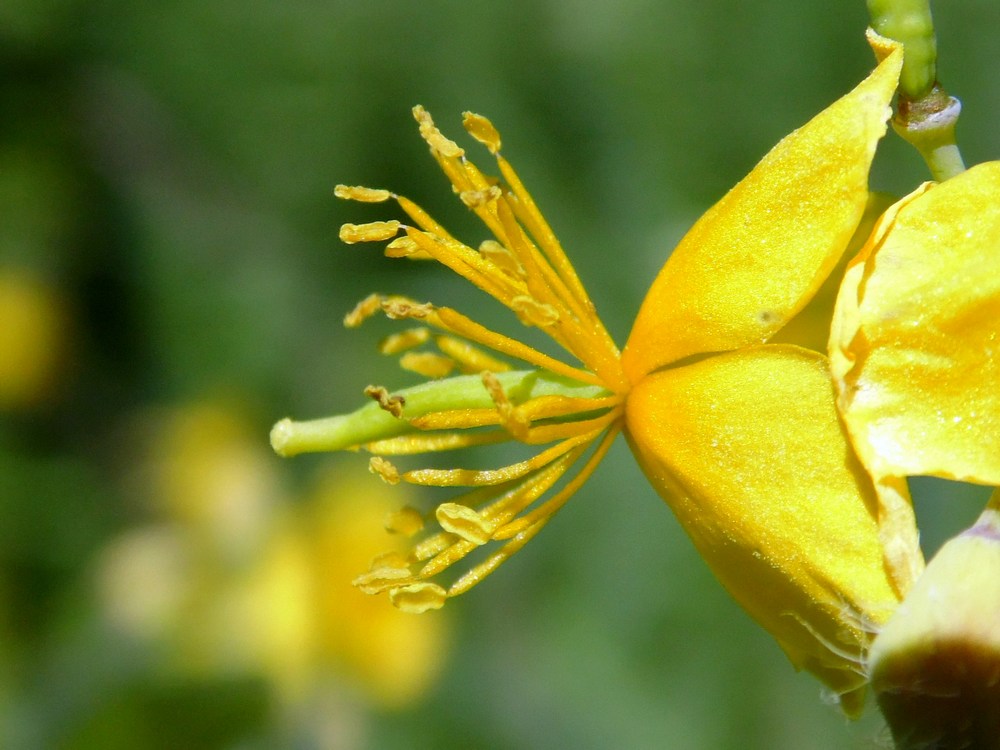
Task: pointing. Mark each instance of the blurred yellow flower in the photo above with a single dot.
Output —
(740, 437)
(236, 579)
(33, 339)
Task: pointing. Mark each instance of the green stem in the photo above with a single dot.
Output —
(909, 22)
(929, 126)
(926, 115)
(371, 422)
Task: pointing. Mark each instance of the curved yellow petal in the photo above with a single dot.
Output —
(756, 257)
(915, 346)
(747, 450)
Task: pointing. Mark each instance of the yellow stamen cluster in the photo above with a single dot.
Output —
(565, 406)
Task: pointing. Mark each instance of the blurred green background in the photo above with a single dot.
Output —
(171, 278)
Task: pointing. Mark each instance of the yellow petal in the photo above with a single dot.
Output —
(915, 347)
(756, 257)
(747, 450)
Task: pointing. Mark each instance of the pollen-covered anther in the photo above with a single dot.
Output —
(383, 574)
(392, 404)
(400, 308)
(362, 194)
(428, 364)
(406, 521)
(482, 130)
(478, 198)
(464, 522)
(429, 132)
(373, 231)
(405, 247)
(511, 418)
(363, 310)
(385, 469)
(531, 312)
(417, 598)
(404, 340)
(502, 258)
(470, 359)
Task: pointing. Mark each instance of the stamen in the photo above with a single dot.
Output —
(479, 572)
(480, 198)
(392, 404)
(428, 364)
(542, 513)
(433, 136)
(382, 575)
(470, 358)
(388, 473)
(373, 231)
(482, 130)
(531, 312)
(404, 247)
(399, 342)
(362, 194)
(454, 321)
(502, 257)
(408, 445)
(417, 598)
(400, 308)
(511, 418)
(473, 477)
(464, 522)
(363, 310)
(406, 521)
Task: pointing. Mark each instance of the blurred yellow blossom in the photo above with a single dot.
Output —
(277, 603)
(740, 437)
(33, 339)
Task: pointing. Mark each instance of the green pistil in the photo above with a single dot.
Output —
(372, 422)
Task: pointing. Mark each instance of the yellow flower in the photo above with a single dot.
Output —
(33, 339)
(235, 579)
(740, 437)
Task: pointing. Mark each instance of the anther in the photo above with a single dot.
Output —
(511, 418)
(479, 198)
(418, 597)
(381, 576)
(362, 194)
(372, 232)
(464, 522)
(406, 521)
(392, 404)
(385, 469)
(503, 258)
(400, 342)
(533, 313)
(363, 310)
(429, 132)
(482, 130)
(404, 247)
(399, 308)
(428, 364)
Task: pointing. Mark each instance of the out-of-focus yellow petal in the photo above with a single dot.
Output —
(915, 346)
(756, 257)
(394, 655)
(747, 450)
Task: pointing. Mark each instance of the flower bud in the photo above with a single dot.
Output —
(935, 666)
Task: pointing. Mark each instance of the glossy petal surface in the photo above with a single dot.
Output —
(756, 257)
(747, 450)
